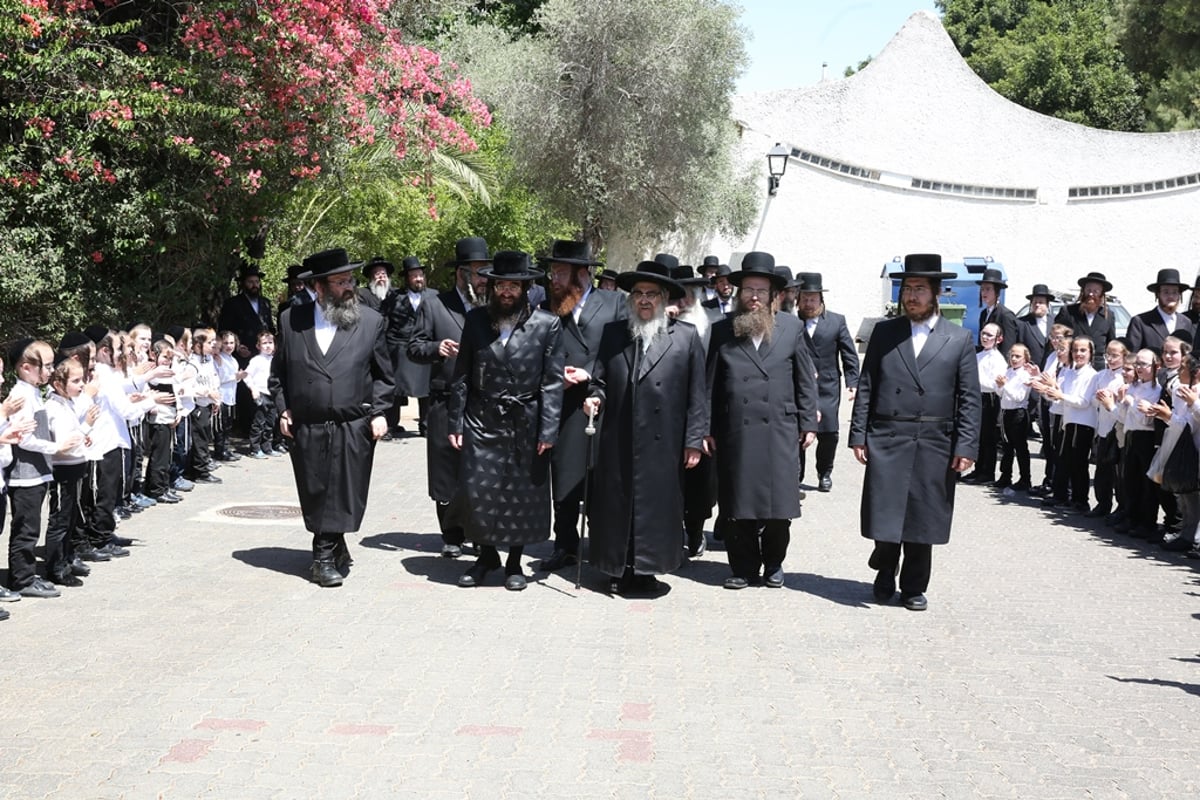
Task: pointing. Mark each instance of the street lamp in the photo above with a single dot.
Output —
(777, 158)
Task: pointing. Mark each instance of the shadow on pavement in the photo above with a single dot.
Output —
(397, 540)
(443, 570)
(842, 591)
(1190, 688)
(284, 560)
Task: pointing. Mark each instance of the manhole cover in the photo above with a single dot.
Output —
(261, 512)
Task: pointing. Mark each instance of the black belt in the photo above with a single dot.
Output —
(332, 415)
(912, 419)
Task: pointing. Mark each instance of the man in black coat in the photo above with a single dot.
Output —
(993, 311)
(504, 413)
(1034, 333)
(248, 313)
(764, 406)
(915, 426)
(435, 341)
(1090, 317)
(331, 381)
(299, 288)
(723, 290)
(1149, 329)
(583, 312)
(412, 378)
(649, 382)
(378, 294)
(834, 355)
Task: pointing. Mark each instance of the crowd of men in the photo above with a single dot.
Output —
(557, 399)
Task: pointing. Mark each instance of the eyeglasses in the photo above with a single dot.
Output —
(638, 294)
(756, 292)
(341, 282)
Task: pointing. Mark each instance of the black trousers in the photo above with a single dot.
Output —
(566, 521)
(989, 436)
(104, 490)
(182, 448)
(756, 544)
(222, 430)
(450, 520)
(914, 572)
(1071, 472)
(1141, 493)
(512, 565)
(133, 470)
(1016, 443)
(1051, 445)
(202, 440)
(26, 502)
(827, 443)
(159, 443)
(262, 427)
(64, 527)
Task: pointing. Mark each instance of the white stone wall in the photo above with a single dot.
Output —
(919, 111)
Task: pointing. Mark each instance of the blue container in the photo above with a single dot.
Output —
(962, 289)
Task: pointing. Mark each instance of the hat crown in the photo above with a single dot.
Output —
(784, 272)
(758, 261)
(667, 260)
(511, 265)
(654, 268)
(683, 272)
(1168, 275)
(918, 263)
(471, 248)
(992, 275)
(294, 271)
(410, 263)
(570, 249)
(1039, 290)
(710, 261)
(378, 261)
(809, 281)
(327, 260)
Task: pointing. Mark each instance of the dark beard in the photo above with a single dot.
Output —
(748, 324)
(511, 317)
(923, 314)
(344, 312)
(564, 301)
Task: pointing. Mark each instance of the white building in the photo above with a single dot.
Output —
(916, 154)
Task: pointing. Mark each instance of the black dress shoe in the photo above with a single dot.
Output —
(207, 479)
(1180, 544)
(884, 588)
(4, 614)
(113, 550)
(515, 582)
(476, 573)
(696, 544)
(79, 568)
(451, 551)
(645, 586)
(121, 541)
(916, 603)
(736, 583)
(774, 578)
(559, 559)
(167, 498)
(92, 554)
(66, 580)
(325, 574)
(825, 483)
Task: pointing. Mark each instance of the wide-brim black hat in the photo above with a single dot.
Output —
(569, 251)
(1096, 277)
(654, 272)
(295, 272)
(710, 261)
(723, 271)
(1167, 277)
(760, 265)
(469, 249)
(671, 262)
(511, 265)
(377, 261)
(1040, 290)
(328, 262)
(992, 275)
(786, 273)
(411, 264)
(809, 282)
(684, 275)
(922, 265)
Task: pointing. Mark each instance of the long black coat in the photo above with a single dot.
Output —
(505, 400)
(439, 318)
(651, 416)
(332, 398)
(1031, 336)
(833, 352)
(1147, 330)
(1003, 317)
(914, 415)
(1101, 331)
(238, 315)
(762, 402)
(412, 377)
(581, 346)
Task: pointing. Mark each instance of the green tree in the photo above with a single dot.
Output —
(1161, 43)
(619, 112)
(1057, 57)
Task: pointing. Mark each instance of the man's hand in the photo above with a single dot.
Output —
(851, 393)
(962, 463)
(591, 406)
(710, 445)
(860, 453)
(574, 375)
(807, 438)
(285, 423)
(456, 441)
(447, 348)
(691, 457)
(379, 427)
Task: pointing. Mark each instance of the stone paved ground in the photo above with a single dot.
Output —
(1056, 661)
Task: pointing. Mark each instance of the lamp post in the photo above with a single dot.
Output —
(777, 158)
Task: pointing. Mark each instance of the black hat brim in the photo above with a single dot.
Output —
(777, 281)
(579, 262)
(312, 276)
(1183, 287)
(528, 275)
(937, 276)
(627, 280)
(1107, 286)
(1001, 284)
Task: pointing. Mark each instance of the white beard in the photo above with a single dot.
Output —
(380, 290)
(696, 314)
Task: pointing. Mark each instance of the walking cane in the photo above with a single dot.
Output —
(590, 430)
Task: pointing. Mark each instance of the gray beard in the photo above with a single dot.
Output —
(381, 290)
(648, 330)
(697, 315)
(748, 324)
(344, 315)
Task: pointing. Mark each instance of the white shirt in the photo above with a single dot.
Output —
(1171, 320)
(1015, 392)
(578, 309)
(227, 369)
(323, 329)
(921, 331)
(111, 430)
(258, 372)
(414, 298)
(991, 365)
(810, 325)
(1112, 380)
(1131, 418)
(1079, 406)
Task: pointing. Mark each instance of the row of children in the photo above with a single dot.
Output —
(1109, 433)
(107, 425)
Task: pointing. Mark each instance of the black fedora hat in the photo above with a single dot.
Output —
(1096, 277)
(470, 248)
(723, 271)
(1167, 277)
(655, 272)
(669, 261)
(710, 261)
(295, 272)
(378, 261)
(569, 251)
(410, 264)
(809, 282)
(1040, 290)
(786, 274)
(329, 262)
(992, 275)
(762, 265)
(511, 265)
(247, 270)
(922, 265)
(684, 275)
